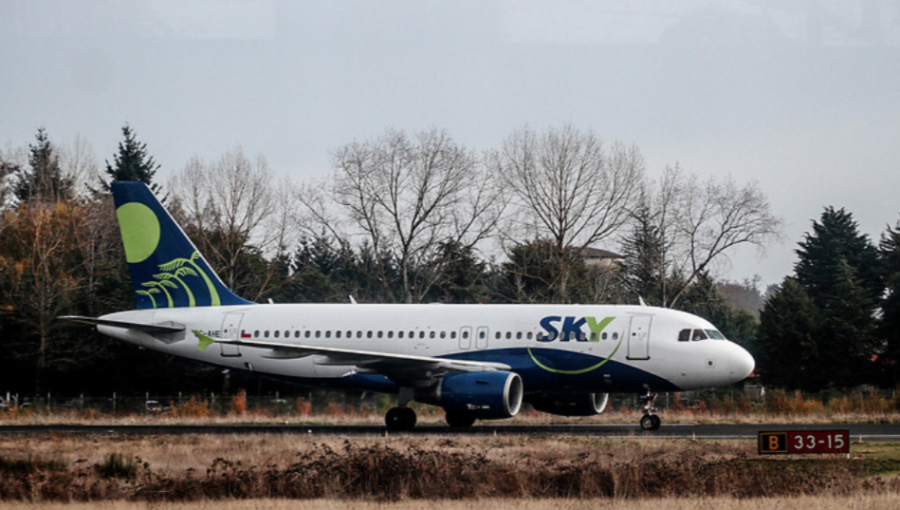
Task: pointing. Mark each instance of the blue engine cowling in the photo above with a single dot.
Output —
(569, 404)
(482, 395)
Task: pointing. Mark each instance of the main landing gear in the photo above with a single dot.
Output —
(401, 418)
(649, 421)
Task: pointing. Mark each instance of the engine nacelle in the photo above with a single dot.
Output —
(570, 404)
(482, 395)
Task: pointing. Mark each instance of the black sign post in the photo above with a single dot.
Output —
(804, 441)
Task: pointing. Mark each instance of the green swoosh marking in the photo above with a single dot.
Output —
(579, 371)
(205, 341)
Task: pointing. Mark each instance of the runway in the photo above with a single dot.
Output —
(858, 432)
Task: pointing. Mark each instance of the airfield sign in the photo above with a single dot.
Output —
(804, 441)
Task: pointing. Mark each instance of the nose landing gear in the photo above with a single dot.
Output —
(649, 421)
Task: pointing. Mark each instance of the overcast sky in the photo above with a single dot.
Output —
(802, 96)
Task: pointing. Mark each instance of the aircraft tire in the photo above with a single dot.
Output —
(400, 418)
(459, 420)
(650, 422)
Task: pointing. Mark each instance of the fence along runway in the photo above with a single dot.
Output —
(858, 432)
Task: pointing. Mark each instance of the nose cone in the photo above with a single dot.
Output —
(740, 363)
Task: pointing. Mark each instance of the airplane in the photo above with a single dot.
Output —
(476, 361)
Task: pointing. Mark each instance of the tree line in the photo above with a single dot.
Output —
(402, 218)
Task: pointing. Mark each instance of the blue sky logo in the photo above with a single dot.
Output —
(570, 328)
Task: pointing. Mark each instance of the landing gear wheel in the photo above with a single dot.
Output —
(459, 420)
(650, 422)
(400, 418)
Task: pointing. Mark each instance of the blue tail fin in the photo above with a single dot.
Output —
(166, 269)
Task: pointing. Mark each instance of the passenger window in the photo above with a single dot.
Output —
(256, 334)
(297, 334)
(379, 334)
(421, 334)
(368, 334)
(594, 336)
(318, 334)
(277, 333)
(453, 334)
(307, 333)
(443, 334)
(604, 336)
(328, 334)
(684, 335)
(699, 335)
(431, 334)
(465, 335)
(528, 335)
(399, 334)
(337, 334)
(390, 334)
(497, 335)
(615, 336)
(518, 335)
(266, 334)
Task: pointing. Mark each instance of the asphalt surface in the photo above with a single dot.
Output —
(858, 432)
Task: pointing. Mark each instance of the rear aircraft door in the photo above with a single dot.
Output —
(231, 330)
(481, 337)
(639, 337)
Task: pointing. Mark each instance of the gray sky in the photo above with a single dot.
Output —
(802, 96)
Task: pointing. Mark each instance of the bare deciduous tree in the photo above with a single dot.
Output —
(234, 205)
(568, 188)
(700, 221)
(407, 196)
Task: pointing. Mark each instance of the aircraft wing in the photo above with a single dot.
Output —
(164, 327)
(395, 366)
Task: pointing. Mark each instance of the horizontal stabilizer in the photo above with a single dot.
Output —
(163, 327)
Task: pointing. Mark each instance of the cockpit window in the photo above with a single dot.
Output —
(715, 334)
(699, 334)
(684, 335)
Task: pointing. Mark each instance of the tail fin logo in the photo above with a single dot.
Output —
(167, 270)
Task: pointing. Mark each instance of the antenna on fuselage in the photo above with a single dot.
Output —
(641, 301)
(352, 301)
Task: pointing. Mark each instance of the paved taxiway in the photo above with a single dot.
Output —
(858, 432)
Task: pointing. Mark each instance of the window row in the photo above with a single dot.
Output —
(464, 334)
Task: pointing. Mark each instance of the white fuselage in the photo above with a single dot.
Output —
(576, 348)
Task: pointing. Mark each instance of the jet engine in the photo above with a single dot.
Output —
(570, 404)
(477, 395)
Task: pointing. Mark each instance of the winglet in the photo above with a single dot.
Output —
(205, 340)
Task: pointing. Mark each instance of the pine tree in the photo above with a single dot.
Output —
(645, 266)
(132, 163)
(44, 181)
(838, 269)
(889, 255)
(788, 339)
(835, 239)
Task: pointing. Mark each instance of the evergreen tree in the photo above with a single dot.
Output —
(838, 269)
(44, 181)
(645, 266)
(833, 240)
(889, 255)
(788, 339)
(132, 163)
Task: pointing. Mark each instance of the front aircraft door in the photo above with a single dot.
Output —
(231, 330)
(639, 337)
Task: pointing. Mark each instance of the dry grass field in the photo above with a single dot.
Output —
(272, 471)
(855, 502)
